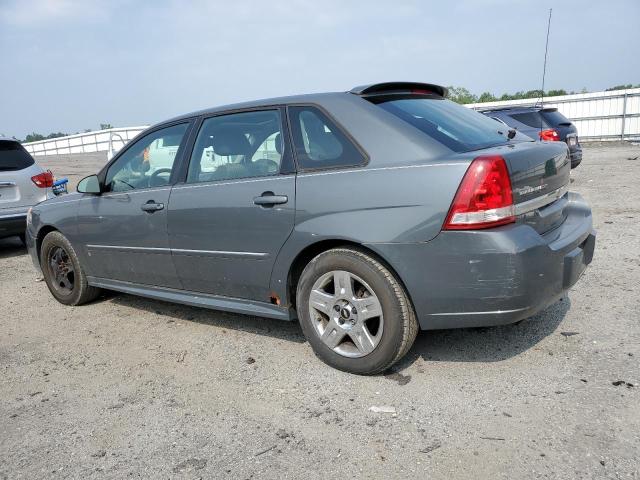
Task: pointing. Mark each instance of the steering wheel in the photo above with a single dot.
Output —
(154, 176)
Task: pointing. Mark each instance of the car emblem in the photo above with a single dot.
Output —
(529, 189)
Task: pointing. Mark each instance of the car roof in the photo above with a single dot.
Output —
(266, 102)
(319, 98)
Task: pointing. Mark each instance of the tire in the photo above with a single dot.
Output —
(70, 288)
(333, 324)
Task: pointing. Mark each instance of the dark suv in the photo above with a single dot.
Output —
(546, 124)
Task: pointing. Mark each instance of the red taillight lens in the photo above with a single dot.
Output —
(484, 198)
(549, 135)
(43, 180)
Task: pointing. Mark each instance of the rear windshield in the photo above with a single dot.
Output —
(458, 128)
(13, 156)
(555, 118)
(531, 119)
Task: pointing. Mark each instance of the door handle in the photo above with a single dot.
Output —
(151, 206)
(268, 199)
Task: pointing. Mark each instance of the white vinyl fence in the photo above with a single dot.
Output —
(613, 115)
(110, 140)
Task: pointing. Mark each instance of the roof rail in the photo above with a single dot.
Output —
(399, 87)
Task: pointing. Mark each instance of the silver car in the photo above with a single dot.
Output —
(366, 215)
(23, 183)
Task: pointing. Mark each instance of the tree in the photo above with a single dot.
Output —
(461, 95)
(622, 87)
(105, 126)
(487, 97)
(56, 135)
(34, 137)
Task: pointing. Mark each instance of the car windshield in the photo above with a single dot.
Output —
(459, 128)
(13, 156)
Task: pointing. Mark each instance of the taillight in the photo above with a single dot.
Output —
(549, 135)
(484, 198)
(43, 180)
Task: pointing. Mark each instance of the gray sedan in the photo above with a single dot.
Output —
(366, 215)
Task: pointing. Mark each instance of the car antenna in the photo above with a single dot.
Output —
(544, 67)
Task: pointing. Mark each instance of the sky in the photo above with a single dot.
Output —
(70, 65)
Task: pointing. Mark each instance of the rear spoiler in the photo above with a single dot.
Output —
(400, 87)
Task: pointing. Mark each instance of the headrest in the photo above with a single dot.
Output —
(229, 141)
(278, 142)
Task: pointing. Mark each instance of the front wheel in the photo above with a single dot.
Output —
(62, 271)
(354, 312)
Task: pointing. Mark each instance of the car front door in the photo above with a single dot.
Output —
(236, 206)
(124, 229)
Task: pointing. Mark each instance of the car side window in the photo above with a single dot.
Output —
(237, 145)
(148, 162)
(318, 141)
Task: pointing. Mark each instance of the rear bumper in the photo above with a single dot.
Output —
(493, 277)
(576, 158)
(13, 221)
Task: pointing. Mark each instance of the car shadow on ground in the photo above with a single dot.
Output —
(487, 344)
(11, 247)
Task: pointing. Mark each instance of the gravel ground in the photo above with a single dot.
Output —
(128, 387)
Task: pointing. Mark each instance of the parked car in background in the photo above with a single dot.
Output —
(546, 124)
(23, 183)
(365, 214)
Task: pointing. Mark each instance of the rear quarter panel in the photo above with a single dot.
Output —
(404, 204)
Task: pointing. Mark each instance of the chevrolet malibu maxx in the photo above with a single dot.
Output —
(366, 215)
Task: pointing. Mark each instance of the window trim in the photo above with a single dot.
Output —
(287, 164)
(102, 173)
(365, 156)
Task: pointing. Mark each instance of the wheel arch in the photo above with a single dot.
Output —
(43, 232)
(311, 251)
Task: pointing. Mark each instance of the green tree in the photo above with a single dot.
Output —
(461, 95)
(105, 126)
(56, 135)
(487, 97)
(555, 93)
(622, 87)
(34, 137)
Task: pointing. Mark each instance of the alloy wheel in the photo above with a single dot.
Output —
(62, 271)
(346, 313)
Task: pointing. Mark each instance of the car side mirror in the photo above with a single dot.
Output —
(89, 184)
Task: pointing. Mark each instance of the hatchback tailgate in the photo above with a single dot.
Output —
(539, 180)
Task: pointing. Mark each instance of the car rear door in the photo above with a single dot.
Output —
(124, 229)
(235, 208)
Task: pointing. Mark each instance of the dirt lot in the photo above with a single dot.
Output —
(128, 387)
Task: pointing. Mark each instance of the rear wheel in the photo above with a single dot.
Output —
(62, 271)
(354, 312)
